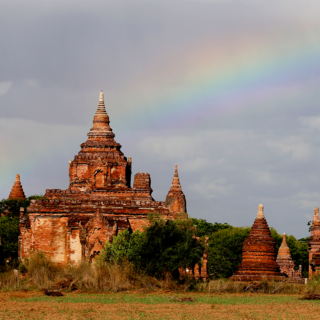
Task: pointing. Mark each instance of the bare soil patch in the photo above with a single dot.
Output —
(34, 305)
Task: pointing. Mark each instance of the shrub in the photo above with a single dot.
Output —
(225, 251)
(164, 246)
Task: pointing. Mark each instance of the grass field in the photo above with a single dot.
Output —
(34, 305)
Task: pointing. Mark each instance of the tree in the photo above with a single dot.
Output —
(9, 226)
(164, 246)
(225, 251)
(205, 228)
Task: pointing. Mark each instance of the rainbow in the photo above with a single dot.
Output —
(216, 85)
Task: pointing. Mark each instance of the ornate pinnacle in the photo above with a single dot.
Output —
(260, 214)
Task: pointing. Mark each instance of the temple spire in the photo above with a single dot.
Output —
(316, 214)
(175, 182)
(101, 107)
(258, 253)
(284, 250)
(17, 190)
(260, 214)
(101, 127)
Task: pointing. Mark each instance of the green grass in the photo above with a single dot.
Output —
(232, 299)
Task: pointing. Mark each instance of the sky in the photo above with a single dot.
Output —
(227, 89)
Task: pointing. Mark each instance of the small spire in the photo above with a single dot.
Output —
(17, 190)
(284, 251)
(316, 214)
(101, 121)
(176, 182)
(101, 110)
(260, 214)
(101, 97)
(176, 171)
(284, 240)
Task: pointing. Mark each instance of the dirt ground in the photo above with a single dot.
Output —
(34, 305)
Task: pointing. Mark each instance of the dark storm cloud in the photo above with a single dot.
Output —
(57, 55)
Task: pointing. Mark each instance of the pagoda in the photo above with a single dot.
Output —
(286, 263)
(17, 190)
(258, 253)
(314, 245)
(73, 225)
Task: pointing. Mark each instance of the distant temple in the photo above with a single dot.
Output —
(314, 245)
(286, 263)
(17, 190)
(259, 253)
(73, 224)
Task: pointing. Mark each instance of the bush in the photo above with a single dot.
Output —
(9, 227)
(225, 251)
(164, 246)
(205, 228)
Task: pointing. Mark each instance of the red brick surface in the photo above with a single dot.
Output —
(314, 246)
(259, 253)
(17, 190)
(286, 263)
(73, 224)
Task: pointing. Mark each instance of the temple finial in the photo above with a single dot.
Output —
(175, 182)
(101, 120)
(101, 96)
(316, 214)
(260, 214)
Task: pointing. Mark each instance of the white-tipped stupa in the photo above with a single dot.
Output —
(260, 214)
(101, 96)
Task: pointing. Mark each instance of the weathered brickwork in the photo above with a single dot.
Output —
(73, 224)
(17, 190)
(314, 245)
(175, 200)
(259, 253)
(286, 263)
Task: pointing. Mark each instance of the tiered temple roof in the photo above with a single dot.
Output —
(285, 261)
(176, 200)
(17, 190)
(259, 253)
(73, 224)
(314, 245)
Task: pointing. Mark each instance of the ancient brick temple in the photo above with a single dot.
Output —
(314, 245)
(73, 224)
(17, 190)
(258, 253)
(286, 263)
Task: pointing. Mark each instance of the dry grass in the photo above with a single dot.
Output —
(313, 286)
(264, 286)
(41, 273)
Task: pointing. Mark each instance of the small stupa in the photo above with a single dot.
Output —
(314, 245)
(176, 200)
(17, 190)
(285, 261)
(258, 253)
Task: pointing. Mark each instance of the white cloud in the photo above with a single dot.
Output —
(5, 86)
(213, 189)
(311, 122)
(294, 146)
(32, 82)
(308, 200)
